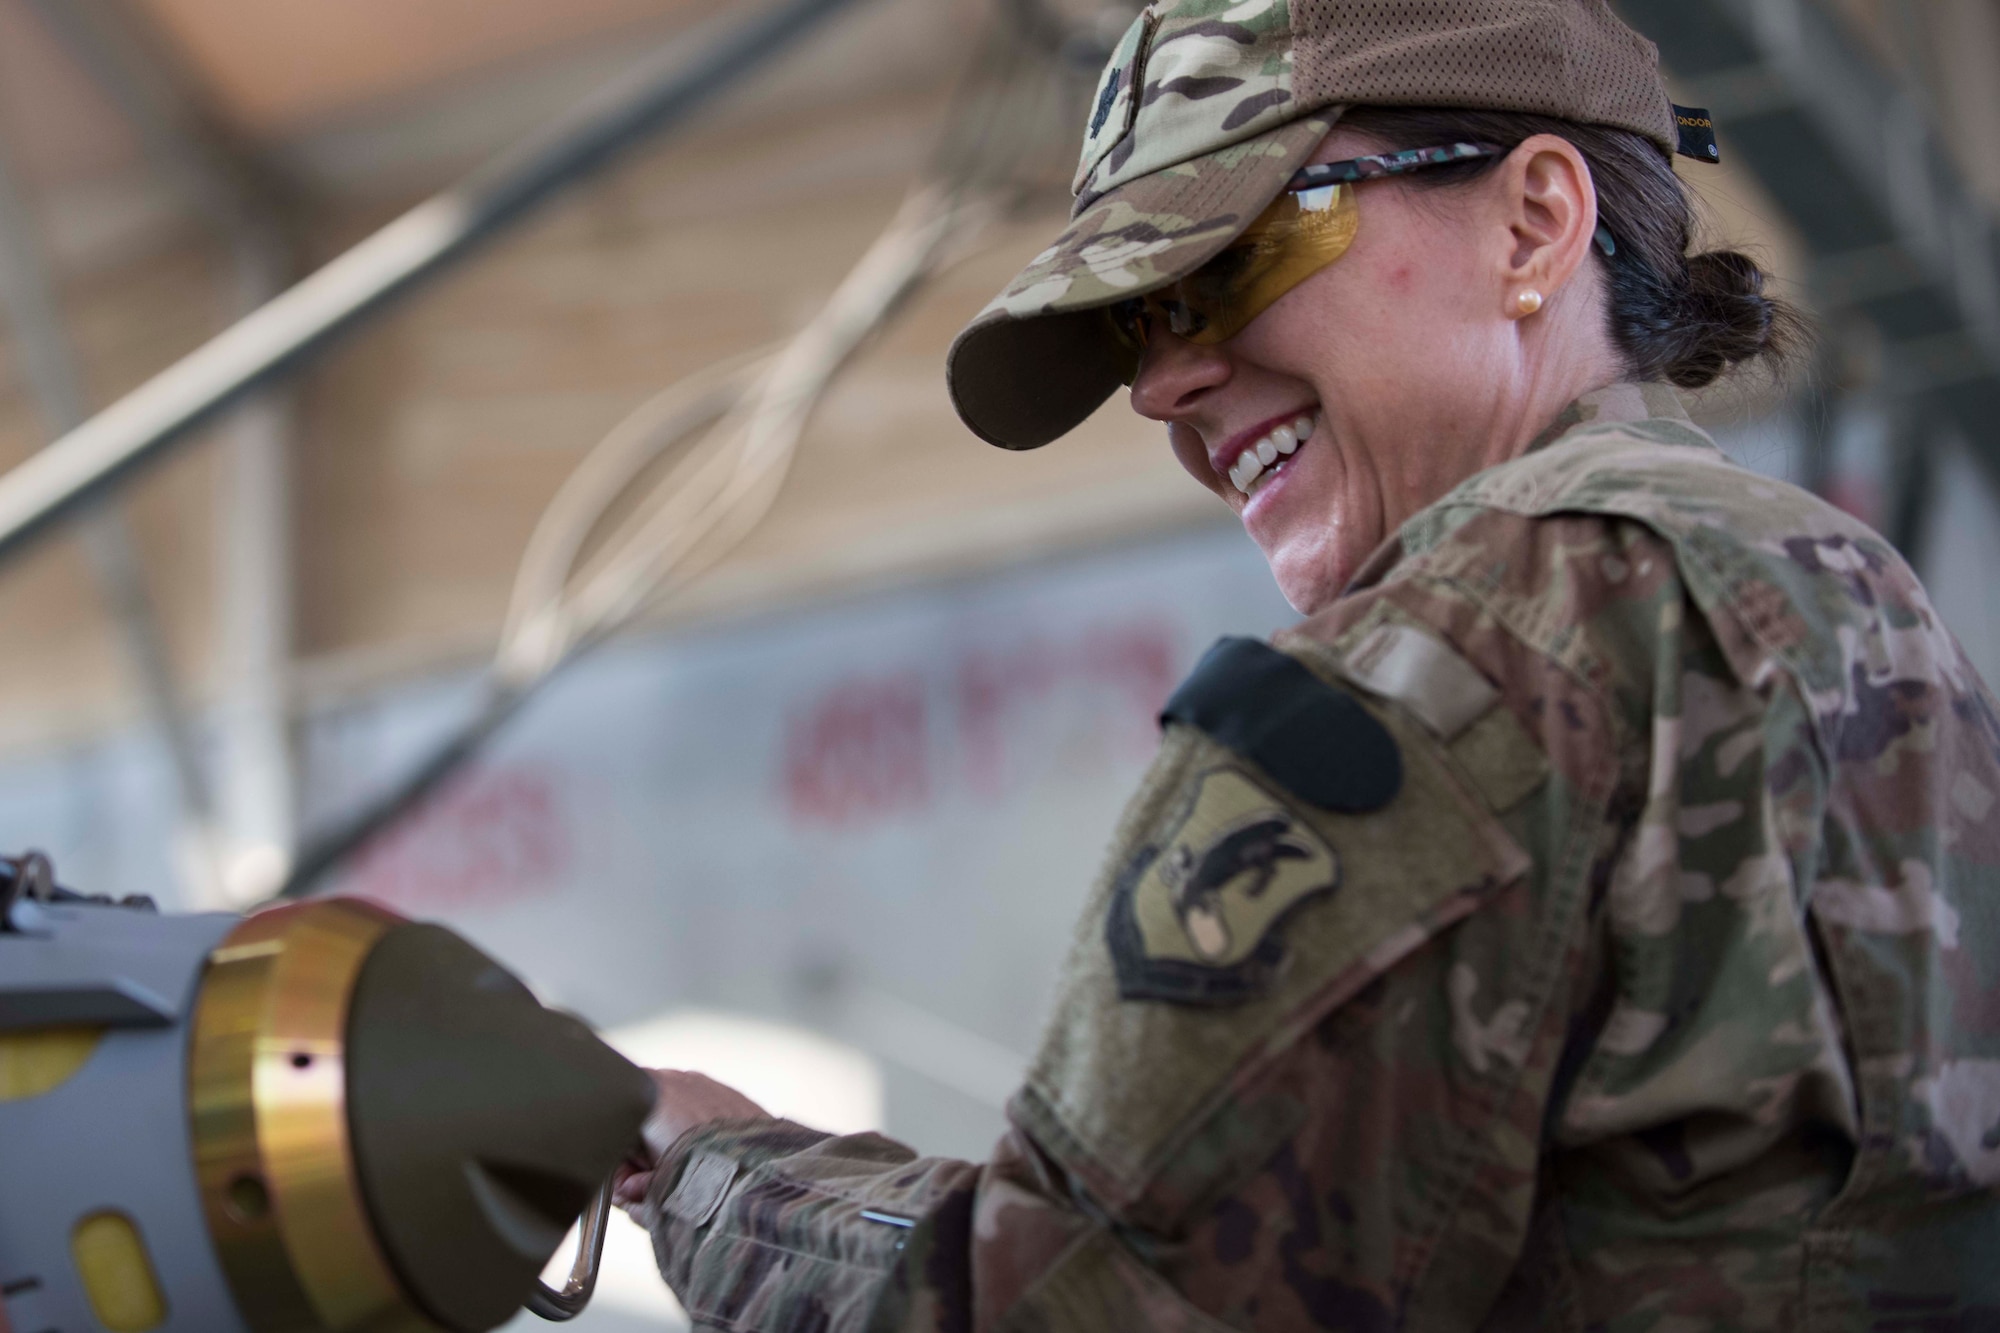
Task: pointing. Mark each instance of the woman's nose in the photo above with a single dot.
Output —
(1173, 375)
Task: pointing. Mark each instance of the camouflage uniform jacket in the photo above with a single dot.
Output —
(1592, 920)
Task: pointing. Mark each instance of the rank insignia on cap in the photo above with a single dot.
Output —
(1196, 918)
(1116, 108)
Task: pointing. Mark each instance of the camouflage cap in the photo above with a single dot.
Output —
(1206, 109)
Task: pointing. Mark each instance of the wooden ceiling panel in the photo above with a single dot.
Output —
(58, 125)
(279, 65)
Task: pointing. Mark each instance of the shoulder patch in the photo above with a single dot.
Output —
(1195, 918)
(1325, 748)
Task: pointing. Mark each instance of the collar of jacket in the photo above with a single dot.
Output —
(1614, 404)
(1630, 401)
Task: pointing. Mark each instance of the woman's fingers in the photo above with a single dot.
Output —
(686, 1102)
(629, 1185)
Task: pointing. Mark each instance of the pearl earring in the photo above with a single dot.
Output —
(1528, 302)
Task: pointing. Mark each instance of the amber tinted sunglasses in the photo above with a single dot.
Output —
(1311, 224)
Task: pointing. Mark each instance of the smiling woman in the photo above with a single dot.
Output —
(1586, 917)
(1492, 279)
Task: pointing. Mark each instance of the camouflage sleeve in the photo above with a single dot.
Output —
(1416, 928)
(766, 1225)
(769, 1225)
(1277, 1053)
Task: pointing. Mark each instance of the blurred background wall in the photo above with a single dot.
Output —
(821, 821)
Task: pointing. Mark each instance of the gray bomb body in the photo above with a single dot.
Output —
(465, 1125)
(113, 1137)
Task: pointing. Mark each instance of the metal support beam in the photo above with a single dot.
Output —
(256, 772)
(422, 243)
(195, 151)
(27, 294)
(133, 66)
(1850, 156)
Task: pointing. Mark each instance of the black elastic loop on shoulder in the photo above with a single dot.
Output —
(1268, 707)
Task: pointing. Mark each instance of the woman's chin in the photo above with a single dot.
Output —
(1309, 573)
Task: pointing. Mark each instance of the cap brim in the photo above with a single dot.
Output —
(1039, 359)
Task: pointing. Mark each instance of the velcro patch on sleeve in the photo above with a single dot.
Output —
(704, 1184)
(1325, 748)
(1417, 670)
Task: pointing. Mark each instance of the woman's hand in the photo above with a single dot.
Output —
(687, 1101)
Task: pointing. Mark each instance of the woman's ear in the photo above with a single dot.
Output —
(1549, 204)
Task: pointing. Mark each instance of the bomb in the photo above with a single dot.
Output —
(317, 1118)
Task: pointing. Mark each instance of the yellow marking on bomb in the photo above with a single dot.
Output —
(43, 1059)
(117, 1273)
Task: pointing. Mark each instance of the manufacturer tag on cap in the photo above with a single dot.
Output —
(1697, 130)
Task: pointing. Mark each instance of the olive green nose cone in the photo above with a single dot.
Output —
(481, 1122)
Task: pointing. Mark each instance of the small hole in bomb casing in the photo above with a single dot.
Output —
(300, 1060)
(249, 1200)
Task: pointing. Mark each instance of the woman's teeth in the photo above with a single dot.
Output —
(1263, 456)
